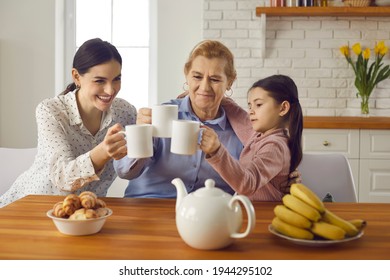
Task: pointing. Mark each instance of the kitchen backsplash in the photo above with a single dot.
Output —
(304, 48)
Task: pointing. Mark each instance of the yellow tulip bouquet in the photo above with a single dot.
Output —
(367, 77)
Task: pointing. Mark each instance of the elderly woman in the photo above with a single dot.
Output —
(209, 74)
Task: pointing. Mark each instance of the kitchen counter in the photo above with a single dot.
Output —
(346, 122)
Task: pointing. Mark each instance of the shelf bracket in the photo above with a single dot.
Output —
(263, 34)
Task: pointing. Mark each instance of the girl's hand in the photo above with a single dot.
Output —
(144, 116)
(210, 142)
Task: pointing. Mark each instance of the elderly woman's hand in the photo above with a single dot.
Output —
(144, 116)
(293, 178)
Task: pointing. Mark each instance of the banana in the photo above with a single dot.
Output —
(358, 223)
(327, 231)
(301, 207)
(333, 219)
(307, 195)
(290, 230)
(291, 217)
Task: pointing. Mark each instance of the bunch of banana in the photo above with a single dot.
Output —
(304, 216)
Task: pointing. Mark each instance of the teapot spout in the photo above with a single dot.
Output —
(181, 191)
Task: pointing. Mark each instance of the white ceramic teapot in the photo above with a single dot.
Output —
(210, 218)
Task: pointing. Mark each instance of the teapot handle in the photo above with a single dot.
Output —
(250, 213)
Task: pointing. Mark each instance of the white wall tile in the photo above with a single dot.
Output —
(304, 48)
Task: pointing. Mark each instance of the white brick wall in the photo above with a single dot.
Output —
(305, 48)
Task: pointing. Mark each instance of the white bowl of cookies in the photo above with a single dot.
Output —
(82, 214)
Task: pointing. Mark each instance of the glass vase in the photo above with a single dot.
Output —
(365, 109)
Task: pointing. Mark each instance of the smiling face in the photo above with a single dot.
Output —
(207, 83)
(99, 86)
(264, 112)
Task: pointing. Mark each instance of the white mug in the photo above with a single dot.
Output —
(162, 117)
(185, 134)
(139, 138)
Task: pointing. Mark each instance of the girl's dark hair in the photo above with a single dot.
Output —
(282, 88)
(93, 52)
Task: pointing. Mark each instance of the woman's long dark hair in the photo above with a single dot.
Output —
(93, 52)
(282, 88)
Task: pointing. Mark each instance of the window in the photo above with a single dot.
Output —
(125, 24)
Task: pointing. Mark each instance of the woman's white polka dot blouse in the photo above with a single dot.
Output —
(62, 164)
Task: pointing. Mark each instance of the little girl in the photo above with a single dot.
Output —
(272, 150)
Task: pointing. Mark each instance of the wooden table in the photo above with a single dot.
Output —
(144, 229)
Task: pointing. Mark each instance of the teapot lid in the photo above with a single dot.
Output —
(209, 190)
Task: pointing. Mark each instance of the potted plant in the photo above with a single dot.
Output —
(367, 76)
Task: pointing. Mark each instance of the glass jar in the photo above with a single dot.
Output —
(323, 3)
(306, 3)
(292, 3)
(277, 3)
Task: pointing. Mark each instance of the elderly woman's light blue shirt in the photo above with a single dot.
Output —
(152, 177)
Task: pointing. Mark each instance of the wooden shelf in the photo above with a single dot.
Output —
(263, 12)
(324, 11)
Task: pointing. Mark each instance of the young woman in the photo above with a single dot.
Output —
(78, 129)
(273, 150)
